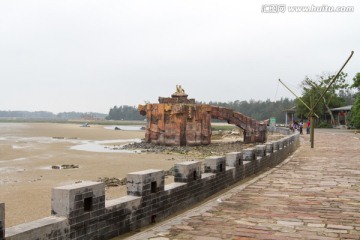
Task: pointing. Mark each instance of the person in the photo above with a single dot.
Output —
(301, 127)
(308, 127)
(295, 125)
(291, 126)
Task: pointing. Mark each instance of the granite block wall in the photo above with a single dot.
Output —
(52, 228)
(187, 171)
(79, 211)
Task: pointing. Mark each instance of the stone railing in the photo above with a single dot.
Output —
(79, 211)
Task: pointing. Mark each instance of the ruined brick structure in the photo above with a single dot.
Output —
(180, 121)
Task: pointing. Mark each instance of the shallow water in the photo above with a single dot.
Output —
(125, 127)
(103, 146)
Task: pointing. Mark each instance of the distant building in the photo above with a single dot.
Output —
(289, 115)
(340, 115)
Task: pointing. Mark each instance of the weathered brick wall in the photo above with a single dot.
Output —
(177, 124)
(81, 212)
(180, 121)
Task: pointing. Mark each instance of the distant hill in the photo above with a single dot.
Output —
(50, 115)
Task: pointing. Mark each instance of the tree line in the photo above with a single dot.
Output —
(259, 110)
(124, 112)
(49, 115)
(339, 94)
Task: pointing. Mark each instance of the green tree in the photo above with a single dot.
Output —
(355, 111)
(259, 110)
(312, 90)
(124, 112)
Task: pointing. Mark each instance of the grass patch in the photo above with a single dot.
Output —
(222, 127)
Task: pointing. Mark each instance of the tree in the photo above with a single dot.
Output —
(258, 109)
(124, 112)
(313, 89)
(355, 111)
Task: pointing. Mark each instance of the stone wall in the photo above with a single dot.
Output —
(79, 211)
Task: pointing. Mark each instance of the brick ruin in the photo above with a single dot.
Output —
(181, 121)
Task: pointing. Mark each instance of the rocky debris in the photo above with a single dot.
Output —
(150, 147)
(115, 147)
(112, 182)
(198, 151)
(64, 166)
(117, 128)
(215, 148)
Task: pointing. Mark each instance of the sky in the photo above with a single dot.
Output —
(90, 55)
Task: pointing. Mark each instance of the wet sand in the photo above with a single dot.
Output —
(28, 150)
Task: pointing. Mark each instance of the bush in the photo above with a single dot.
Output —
(324, 125)
(355, 114)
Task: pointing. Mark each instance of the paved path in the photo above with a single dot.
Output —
(314, 194)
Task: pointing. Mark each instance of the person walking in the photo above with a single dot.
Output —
(301, 127)
(308, 127)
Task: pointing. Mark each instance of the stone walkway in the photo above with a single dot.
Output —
(314, 194)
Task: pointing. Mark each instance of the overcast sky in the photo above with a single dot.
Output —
(82, 55)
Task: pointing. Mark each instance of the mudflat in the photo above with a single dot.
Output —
(30, 154)
(29, 150)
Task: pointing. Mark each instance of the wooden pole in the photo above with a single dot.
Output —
(312, 128)
(314, 104)
(334, 79)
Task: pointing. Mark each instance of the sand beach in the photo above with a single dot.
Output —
(31, 153)
(29, 150)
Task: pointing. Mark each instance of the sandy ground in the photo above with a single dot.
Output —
(28, 150)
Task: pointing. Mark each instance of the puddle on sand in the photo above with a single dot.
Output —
(11, 169)
(125, 127)
(103, 146)
(16, 159)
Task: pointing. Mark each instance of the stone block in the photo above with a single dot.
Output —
(129, 203)
(187, 171)
(145, 182)
(77, 199)
(234, 159)
(248, 168)
(260, 150)
(269, 148)
(285, 142)
(2, 221)
(249, 154)
(45, 228)
(276, 146)
(281, 144)
(215, 164)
